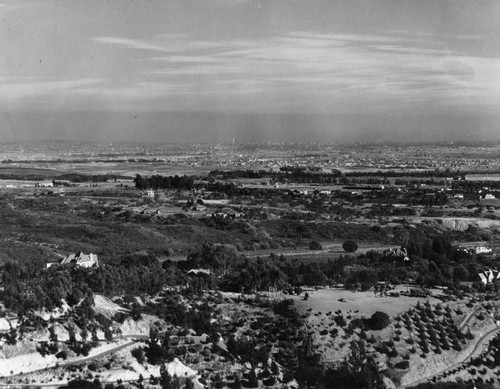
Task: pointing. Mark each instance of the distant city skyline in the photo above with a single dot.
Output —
(197, 70)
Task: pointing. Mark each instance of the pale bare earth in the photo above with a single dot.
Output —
(33, 361)
(23, 358)
(105, 306)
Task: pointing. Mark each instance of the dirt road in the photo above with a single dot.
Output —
(476, 351)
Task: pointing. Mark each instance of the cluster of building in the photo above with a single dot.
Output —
(478, 250)
(397, 253)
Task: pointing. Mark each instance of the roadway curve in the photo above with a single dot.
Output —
(85, 359)
(135, 338)
(476, 351)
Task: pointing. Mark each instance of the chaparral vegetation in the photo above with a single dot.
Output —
(288, 277)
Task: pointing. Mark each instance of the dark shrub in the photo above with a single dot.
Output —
(402, 365)
(62, 354)
(315, 245)
(350, 246)
(357, 323)
(378, 321)
(138, 353)
(339, 320)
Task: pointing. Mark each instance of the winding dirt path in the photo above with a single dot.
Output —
(476, 351)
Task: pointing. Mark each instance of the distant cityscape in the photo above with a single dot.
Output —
(471, 157)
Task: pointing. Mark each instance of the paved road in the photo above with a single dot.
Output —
(69, 363)
(81, 360)
(134, 338)
(89, 358)
(104, 353)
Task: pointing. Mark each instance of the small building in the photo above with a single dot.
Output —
(483, 250)
(150, 193)
(199, 272)
(397, 253)
(45, 184)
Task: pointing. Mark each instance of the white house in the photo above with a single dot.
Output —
(483, 250)
(82, 260)
(149, 193)
(196, 272)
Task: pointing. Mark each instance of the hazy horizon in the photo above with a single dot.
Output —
(209, 71)
(184, 127)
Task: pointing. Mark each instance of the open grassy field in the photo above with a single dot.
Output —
(330, 251)
(366, 303)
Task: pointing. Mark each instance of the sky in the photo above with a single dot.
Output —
(217, 70)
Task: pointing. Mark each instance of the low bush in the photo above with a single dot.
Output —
(339, 320)
(402, 365)
(378, 321)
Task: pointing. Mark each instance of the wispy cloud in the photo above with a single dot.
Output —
(167, 43)
(131, 43)
(15, 90)
(341, 68)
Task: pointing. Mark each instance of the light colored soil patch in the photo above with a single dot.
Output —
(32, 362)
(105, 306)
